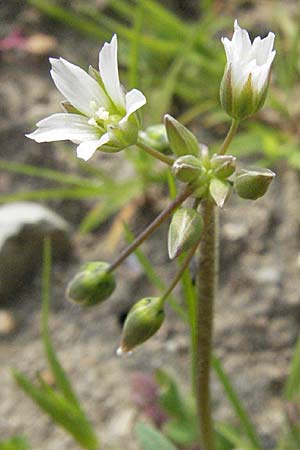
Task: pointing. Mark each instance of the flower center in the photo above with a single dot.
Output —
(102, 118)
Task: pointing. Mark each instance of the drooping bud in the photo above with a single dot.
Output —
(181, 140)
(187, 168)
(184, 231)
(156, 137)
(91, 285)
(223, 166)
(142, 321)
(220, 191)
(253, 184)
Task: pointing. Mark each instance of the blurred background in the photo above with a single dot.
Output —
(171, 51)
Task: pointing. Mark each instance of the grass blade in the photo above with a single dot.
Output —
(237, 405)
(151, 439)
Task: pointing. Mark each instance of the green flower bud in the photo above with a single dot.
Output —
(142, 321)
(181, 140)
(223, 166)
(91, 285)
(253, 184)
(187, 168)
(156, 137)
(184, 231)
(220, 191)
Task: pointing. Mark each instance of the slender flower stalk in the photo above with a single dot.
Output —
(151, 228)
(155, 153)
(98, 113)
(230, 135)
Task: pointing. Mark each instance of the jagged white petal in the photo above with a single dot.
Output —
(108, 67)
(85, 150)
(63, 126)
(134, 100)
(77, 86)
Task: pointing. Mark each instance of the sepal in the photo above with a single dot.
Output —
(143, 320)
(91, 285)
(187, 168)
(253, 184)
(181, 140)
(184, 231)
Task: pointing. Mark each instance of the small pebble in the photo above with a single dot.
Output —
(7, 323)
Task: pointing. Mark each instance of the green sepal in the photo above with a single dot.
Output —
(253, 184)
(223, 166)
(184, 231)
(187, 168)
(91, 285)
(143, 320)
(181, 140)
(220, 191)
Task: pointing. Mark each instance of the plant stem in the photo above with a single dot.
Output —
(181, 271)
(158, 155)
(206, 287)
(151, 228)
(230, 135)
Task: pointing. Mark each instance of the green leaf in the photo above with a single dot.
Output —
(151, 439)
(237, 405)
(15, 443)
(61, 411)
(62, 405)
(234, 436)
(57, 370)
(183, 425)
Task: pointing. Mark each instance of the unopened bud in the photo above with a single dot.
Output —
(91, 285)
(253, 184)
(187, 168)
(143, 320)
(223, 166)
(182, 141)
(156, 137)
(184, 231)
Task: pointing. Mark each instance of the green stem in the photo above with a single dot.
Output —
(181, 271)
(158, 155)
(230, 135)
(151, 228)
(206, 287)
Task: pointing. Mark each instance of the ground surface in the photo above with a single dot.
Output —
(257, 312)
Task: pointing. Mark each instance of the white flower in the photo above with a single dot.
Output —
(98, 112)
(247, 73)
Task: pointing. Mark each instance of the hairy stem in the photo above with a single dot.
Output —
(158, 155)
(230, 135)
(151, 228)
(206, 287)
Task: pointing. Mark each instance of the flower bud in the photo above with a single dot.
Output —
(223, 166)
(246, 78)
(181, 140)
(253, 184)
(142, 321)
(187, 168)
(184, 231)
(92, 284)
(156, 137)
(220, 191)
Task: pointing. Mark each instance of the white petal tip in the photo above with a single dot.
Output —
(236, 25)
(121, 352)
